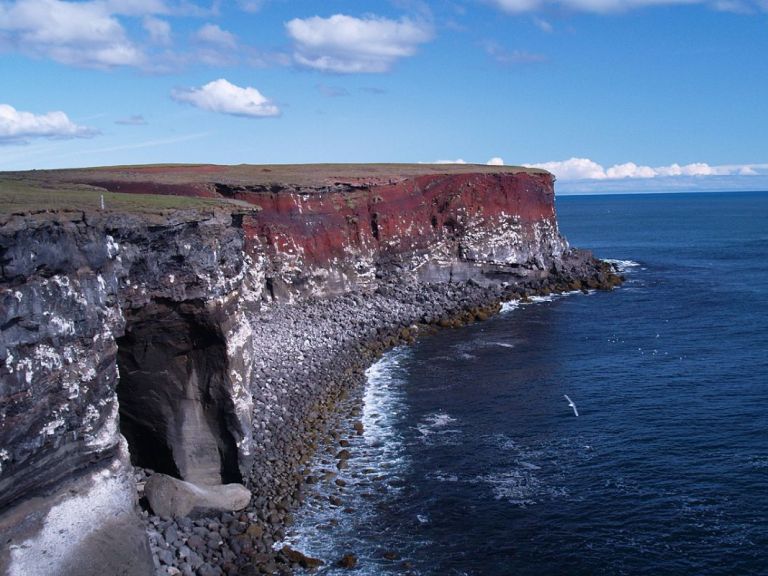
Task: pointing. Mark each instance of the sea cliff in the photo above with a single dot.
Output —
(206, 322)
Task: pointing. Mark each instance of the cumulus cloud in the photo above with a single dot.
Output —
(18, 126)
(79, 33)
(572, 169)
(227, 98)
(213, 34)
(605, 6)
(586, 169)
(348, 45)
(495, 161)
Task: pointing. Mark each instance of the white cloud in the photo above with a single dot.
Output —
(213, 34)
(227, 98)
(630, 170)
(586, 169)
(79, 33)
(18, 126)
(495, 161)
(605, 6)
(347, 45)
(573, 169)
(159, 30)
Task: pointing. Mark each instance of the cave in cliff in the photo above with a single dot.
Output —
(174, 408)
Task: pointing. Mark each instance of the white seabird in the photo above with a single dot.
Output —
(571, 404)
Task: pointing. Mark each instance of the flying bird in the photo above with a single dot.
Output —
(571, 404)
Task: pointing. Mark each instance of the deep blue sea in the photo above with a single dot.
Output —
(473, 463)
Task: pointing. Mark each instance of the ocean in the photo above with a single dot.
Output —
(473, 463)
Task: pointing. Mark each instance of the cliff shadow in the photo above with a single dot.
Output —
(175, 409)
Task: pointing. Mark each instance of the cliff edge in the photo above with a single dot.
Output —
(203, 321)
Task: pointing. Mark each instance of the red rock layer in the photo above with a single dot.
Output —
(408, 215)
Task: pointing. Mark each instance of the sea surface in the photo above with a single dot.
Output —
(472, 461)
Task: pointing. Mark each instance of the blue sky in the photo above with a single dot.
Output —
(610, 95)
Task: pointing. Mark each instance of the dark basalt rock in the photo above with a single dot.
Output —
(348, 561)
(301, 559)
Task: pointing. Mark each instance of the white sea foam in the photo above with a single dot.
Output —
(623, 265)
(509, 306)
(436, 425)
(518, 487)
(533, 473)
(538, 299)
(377, 467)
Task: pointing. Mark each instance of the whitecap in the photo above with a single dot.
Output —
(509, 306)
(436, 424)
(434, 421)
(623, 265)
(538, 299)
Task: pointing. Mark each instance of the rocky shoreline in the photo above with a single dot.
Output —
(313, 357)
(216, 344)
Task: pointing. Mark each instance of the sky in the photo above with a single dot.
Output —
(610, 95)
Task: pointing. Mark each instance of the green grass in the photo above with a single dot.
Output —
(25, 197)
(80, 188)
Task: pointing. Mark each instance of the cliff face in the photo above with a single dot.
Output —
(439, 227)
(329, 228)
(74, 285)
(142, 326)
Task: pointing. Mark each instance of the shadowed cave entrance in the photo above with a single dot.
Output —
(175, 410)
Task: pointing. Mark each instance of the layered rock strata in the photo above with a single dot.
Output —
(213, 344)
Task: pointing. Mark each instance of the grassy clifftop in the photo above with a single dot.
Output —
(160, 187)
